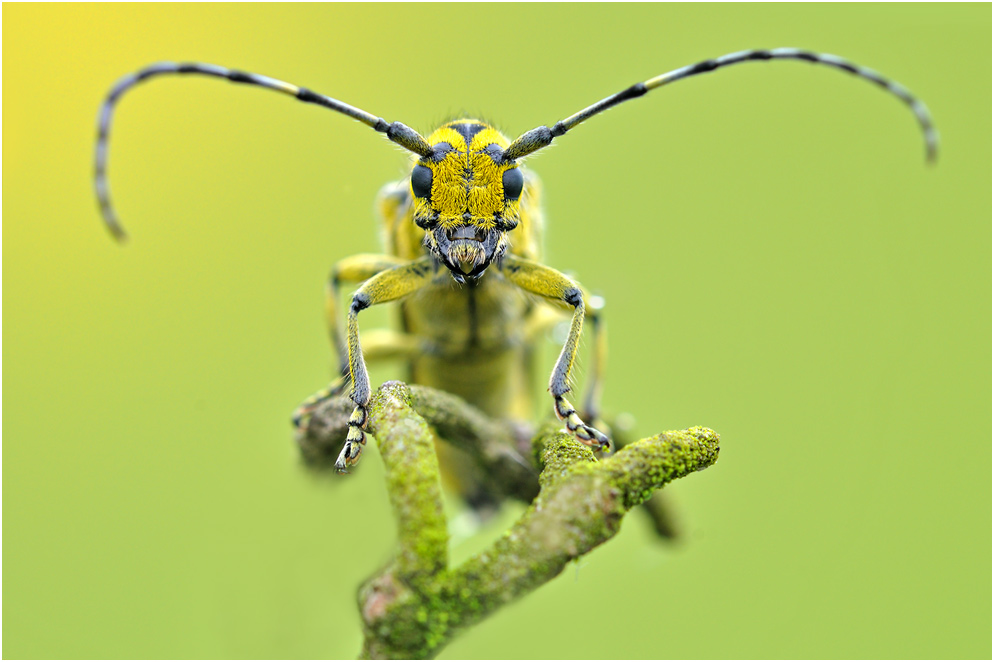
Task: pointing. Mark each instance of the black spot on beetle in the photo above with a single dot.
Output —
(573, 296)
(360, 302)
(468, 129)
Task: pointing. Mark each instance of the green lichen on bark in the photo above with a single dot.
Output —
(417, 603)
(413, 484)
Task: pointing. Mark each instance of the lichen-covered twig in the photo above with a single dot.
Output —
(407, 448)
(497, 447)
(415, 605)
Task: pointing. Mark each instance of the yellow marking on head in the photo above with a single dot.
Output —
(467, 179)
(448, 134)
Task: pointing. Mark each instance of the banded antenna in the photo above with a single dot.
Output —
(399, 133)
(536, 139)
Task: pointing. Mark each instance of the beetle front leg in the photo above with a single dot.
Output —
(598, 355)
(545, 317)
(386, 286)
(549, 283)
(354, 269)
(378, 345)
(559, 382)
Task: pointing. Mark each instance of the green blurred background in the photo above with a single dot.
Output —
(778, 261)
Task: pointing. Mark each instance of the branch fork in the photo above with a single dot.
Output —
(415, 605)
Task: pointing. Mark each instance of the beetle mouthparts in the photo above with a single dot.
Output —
(467, 254)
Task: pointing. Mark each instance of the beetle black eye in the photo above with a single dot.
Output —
(421, 181)
(513, 183)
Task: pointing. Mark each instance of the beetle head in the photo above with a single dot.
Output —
(466, 197)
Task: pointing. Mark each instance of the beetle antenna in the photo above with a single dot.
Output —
(536, 139)
(399, 133)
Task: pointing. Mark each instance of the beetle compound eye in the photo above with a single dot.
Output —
(513, 182)
(421, 181)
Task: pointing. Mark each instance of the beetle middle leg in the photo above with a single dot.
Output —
(549, 283)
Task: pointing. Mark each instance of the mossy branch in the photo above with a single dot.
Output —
(415, 605)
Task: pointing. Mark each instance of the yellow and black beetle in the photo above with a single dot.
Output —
(463, 254)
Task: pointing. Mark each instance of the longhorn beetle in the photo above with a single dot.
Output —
(462, 245)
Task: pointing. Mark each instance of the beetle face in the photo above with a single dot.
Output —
(465, 198)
